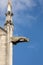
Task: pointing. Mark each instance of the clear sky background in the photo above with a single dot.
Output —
(28, 22)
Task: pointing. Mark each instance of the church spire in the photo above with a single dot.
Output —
(9, 13)
(9, 5)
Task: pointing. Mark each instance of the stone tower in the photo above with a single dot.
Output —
(9, 28)
(7, 40)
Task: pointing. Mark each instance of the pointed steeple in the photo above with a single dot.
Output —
(9, 5)
(9, 13)
(8, 26)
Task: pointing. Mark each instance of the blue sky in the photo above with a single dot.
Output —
(28, 22)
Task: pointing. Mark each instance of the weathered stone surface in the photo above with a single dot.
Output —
(2, 47)
(5, 47)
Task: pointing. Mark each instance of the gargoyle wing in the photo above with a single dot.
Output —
(16, 40)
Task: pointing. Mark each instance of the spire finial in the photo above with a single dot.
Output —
(9, 5)
(9, 13)
(9, 2)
